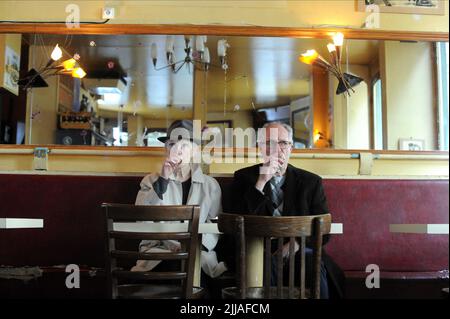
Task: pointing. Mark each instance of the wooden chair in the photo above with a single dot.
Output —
(145, 289)
(302, 228)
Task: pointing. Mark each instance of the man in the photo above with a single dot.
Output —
(276, 188)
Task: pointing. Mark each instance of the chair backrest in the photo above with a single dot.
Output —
(133, 213)
(304, 228)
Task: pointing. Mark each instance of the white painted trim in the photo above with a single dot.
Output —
(419, 228)
(13, 223)
(411, 157)
(16, 151)
(106, 152)
(220, 154)
(56, 151)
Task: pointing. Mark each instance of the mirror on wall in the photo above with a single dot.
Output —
(136, 85)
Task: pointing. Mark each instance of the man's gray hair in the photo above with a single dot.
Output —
(287, 127)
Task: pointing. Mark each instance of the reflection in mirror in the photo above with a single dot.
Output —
(136, 85)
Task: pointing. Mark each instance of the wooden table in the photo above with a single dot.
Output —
(255, 249)
(19, 223)
(419, 228)
(431, 229)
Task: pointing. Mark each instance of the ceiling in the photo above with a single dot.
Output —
(263, 71)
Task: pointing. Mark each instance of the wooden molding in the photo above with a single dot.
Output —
(363, 34)
(12, 148)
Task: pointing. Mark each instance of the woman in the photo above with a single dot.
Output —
(182, 182)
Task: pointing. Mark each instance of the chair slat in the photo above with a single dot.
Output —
(317, 257)
(193, 229)
(280, 268)
(149, 256)
(291, 266)
(267, 266)
(241, 252)
(149, 236)
(302, 249)
(286, 226)
(126, 212)
(149, 275)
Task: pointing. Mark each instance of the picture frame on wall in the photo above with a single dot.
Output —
(410, 144)
(436, 7)
(11, 71)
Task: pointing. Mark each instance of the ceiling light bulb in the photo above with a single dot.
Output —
(154, 51)
(206, 56)
(309, 57)
(188, 41)
(338, 39)
(170, 43)
(199, 44)
(69, 64)
(222, 46)
(317, 135)
(56, 53)
(331, 47)
(78, 73)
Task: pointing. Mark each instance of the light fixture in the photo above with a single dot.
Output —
(320, 136)
(199, 56)
(35, 78)
(346, 81)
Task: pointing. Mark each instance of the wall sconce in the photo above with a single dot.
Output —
(68, 67)
(320, 136)
(346, 81)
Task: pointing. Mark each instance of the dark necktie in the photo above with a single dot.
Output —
(276, 196)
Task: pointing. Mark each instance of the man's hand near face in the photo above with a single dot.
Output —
(269, 170)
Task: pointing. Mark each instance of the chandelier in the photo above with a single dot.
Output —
(346, 81)
(197, 55)
(36, 78)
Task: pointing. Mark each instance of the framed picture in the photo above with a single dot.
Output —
(403, 6)
(11, 74)
(409, 144)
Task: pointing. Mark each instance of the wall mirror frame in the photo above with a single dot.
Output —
(213, 30)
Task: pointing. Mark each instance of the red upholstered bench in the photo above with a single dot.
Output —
(73, 230)
(367, 208)
(411, 265)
